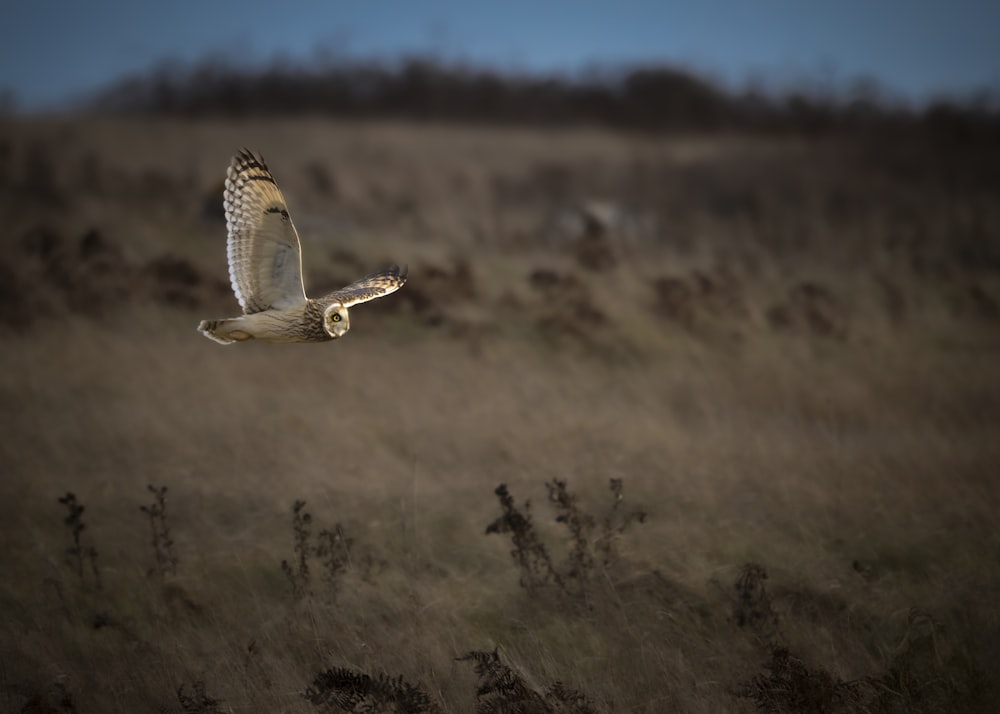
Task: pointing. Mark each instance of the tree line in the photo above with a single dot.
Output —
(647, 98)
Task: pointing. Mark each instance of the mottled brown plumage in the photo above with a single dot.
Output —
(265, 268)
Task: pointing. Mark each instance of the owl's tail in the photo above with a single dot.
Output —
(216, 330)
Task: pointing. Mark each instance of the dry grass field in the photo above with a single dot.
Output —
(743, 394)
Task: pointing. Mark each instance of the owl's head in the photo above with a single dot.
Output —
(335, 320)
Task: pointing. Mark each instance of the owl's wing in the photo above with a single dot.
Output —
(265, 260)
(370, 287)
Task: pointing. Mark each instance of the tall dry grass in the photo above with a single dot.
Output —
(768, 406)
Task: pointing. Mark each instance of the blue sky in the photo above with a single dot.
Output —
(54, 50)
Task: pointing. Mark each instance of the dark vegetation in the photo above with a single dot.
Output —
(501, 689)
(646, 98)
(341, 689)
(924, 673)
(927, 671)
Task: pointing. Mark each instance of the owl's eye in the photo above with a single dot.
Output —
(335, 317)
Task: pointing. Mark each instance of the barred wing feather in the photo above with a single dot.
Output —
(265, 258)
(370, 287)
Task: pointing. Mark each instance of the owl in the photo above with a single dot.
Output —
(265, 268)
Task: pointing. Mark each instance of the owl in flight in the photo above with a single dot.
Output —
(265, 268)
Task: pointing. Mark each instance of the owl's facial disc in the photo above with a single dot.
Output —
(335, 320)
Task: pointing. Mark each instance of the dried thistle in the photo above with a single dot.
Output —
(753, 605)
(298, 575)
(581, 526)
(529, 552)
(334, 550)
(78, 552)
(615, 523)
(165, 558)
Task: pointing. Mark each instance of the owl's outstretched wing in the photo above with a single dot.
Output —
(265, 259)
(370, 287)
